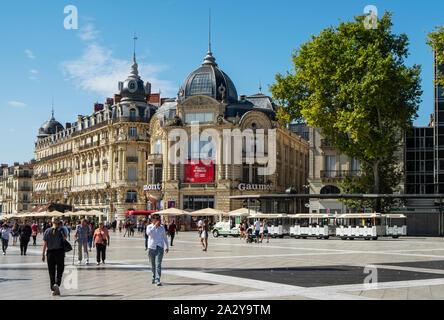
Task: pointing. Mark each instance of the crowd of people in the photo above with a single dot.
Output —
(89, 234)
(259, 229)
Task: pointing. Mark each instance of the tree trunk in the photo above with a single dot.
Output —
(376, 185)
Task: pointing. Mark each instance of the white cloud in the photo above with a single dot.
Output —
(29, 54)
(98, 71)
(33, 71)
(14, 103)
(88, 32)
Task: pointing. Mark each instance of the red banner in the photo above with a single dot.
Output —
(198, 171)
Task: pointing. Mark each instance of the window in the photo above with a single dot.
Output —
(132, 131)
(132, 113)
(158, 146)
(198, 202)
(132, 174)
(356, 165)
(199, 117)
(201, 84)
(330, 163)
(198, 149)
(131, 196)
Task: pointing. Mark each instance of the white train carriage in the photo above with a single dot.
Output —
(361, 226)
(396, 225)
(305, 225)
(278, 224)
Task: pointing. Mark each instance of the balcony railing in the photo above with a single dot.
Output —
(60, 170)
(40, 175)
(155, 157)
(339, 174)
(132, 159)
(55, 155)
(325, 143)
(23, 175)
(24, 188)
(89, 145)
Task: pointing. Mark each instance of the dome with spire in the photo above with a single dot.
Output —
(51, 126)
(133, 87)
(208, 80)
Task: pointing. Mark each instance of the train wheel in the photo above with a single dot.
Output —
(343, 238)
(351, 238)
(375, 238)
(215, 233)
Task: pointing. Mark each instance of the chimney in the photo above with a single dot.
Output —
(109, 101)
(67, 125)
(148, 86)
(242, 97)
(117, 98)
(98, 107)
(154, 98)
(16, 163)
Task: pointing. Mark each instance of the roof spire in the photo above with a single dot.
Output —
(209, 59)
(209, 30)
(134, 52)
(52, 108)
(260, 87)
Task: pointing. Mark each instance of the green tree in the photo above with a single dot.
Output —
(353, 84)
(435, 39)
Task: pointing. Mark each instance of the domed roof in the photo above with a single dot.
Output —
(133, 87)
(208, 80)
(50, 127)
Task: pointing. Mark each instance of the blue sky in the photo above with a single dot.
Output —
(251, 40)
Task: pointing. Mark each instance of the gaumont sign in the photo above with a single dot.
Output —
(152, 187)
(252, 187)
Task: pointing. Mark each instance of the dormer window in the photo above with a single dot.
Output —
(132, 113)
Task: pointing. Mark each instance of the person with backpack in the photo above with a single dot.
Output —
(24, 235)
(101, 240)
(5, 234)
(53, 245)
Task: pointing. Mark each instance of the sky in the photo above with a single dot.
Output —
(41, 61)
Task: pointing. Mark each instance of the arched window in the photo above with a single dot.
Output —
(131, 196)
(132, 114)
(330, 190)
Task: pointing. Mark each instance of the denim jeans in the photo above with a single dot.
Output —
(156, 256)
(146, 241)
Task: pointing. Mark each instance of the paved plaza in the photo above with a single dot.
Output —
(406, 268)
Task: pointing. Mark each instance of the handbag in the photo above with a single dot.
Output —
(65, 243)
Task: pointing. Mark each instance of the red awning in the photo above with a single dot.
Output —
(139, 212)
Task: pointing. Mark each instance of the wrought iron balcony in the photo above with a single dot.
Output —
(132, 159)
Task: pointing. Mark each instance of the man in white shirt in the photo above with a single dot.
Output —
(257, 228)
(157, 243)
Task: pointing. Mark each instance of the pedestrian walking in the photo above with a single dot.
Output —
(53, 245)
(157, 244)
(92, 228)
(265, 231)
(204, 235)
(81, 237)
(114, 225)
(15, 233)
(172, 231)
(257, 228)
(120, 226)
(101, 241)
(35, 231)
(25, 233)
(5, 235)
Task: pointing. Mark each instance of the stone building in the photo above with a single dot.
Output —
(206, 179)
(16, 188)
(99, 161)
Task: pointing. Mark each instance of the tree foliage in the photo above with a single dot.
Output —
(435, 39)
(353, 84)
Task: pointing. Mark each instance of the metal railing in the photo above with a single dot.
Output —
(132, 159)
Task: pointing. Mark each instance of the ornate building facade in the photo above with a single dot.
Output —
(205, 179)
(99, 161)
(16, 188)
